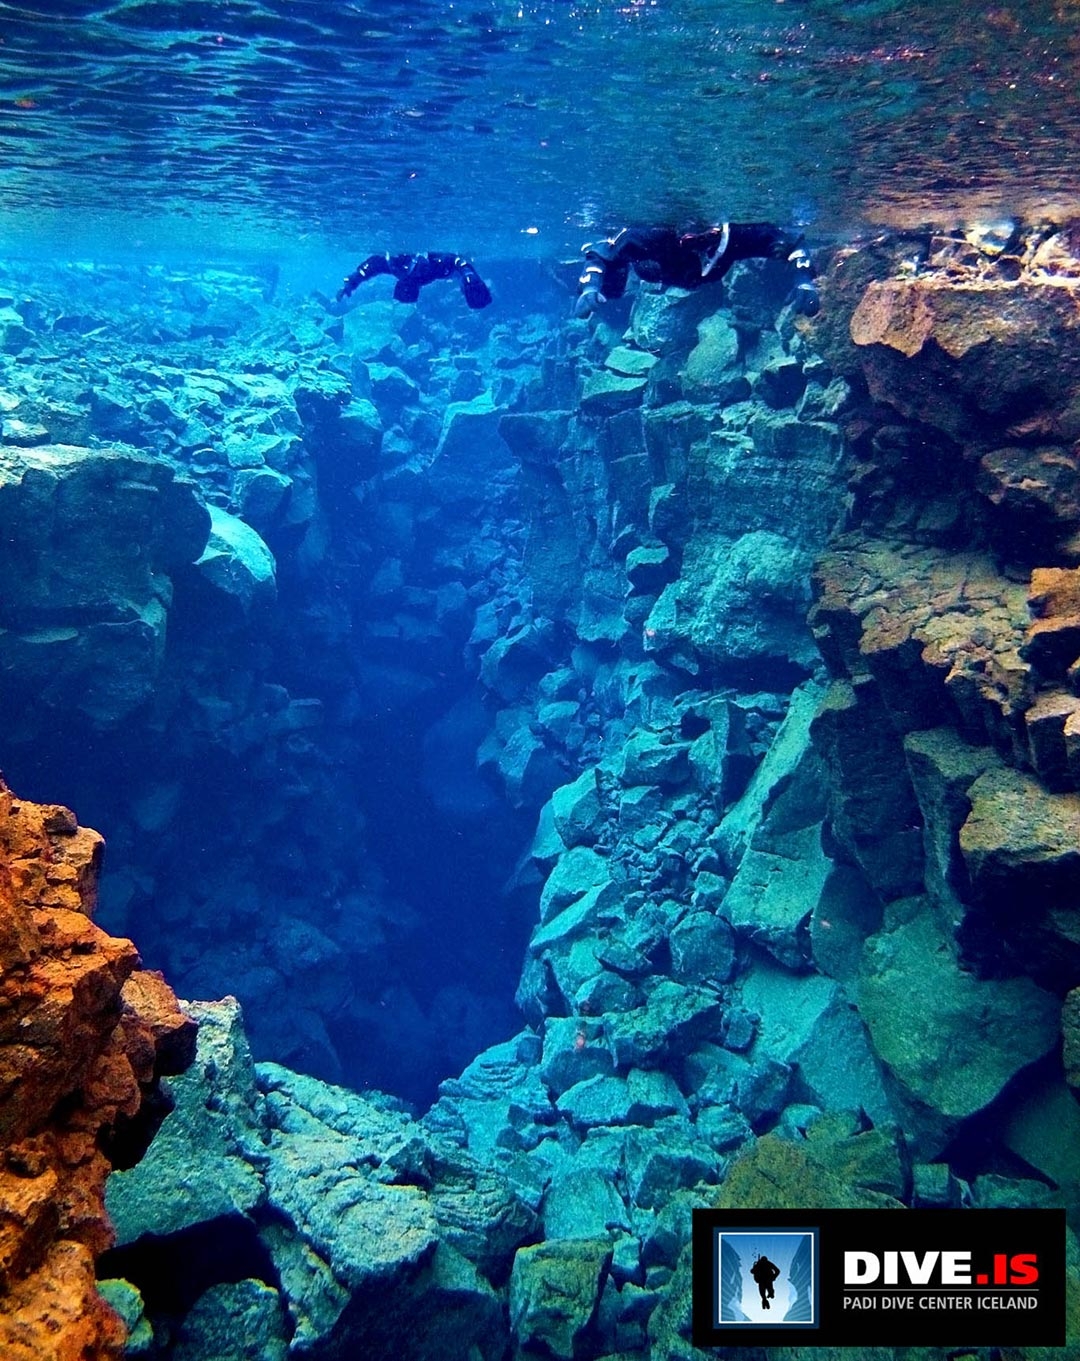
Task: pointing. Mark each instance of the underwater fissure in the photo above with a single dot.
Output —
(630, 668)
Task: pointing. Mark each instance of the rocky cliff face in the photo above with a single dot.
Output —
(945, 613)
(84, 1034)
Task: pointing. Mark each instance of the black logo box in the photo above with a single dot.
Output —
(983, 1233)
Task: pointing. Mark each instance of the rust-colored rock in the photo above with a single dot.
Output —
(951, 338)
(83, 1036)
(1053, 637)
(964, 486)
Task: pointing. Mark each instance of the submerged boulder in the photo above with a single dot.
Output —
(237, 562)
(88, 540)
(950, 1039)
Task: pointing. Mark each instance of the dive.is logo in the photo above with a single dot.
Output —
(880, 1277)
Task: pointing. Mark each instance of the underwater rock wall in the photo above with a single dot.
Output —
(84, 1035)
(748, 637)
(944, 614)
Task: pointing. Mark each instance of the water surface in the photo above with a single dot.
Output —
(515, 127)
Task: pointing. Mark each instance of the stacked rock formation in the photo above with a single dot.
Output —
(83, 1035)
(948, 612)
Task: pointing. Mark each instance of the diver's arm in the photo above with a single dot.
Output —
(607, 264)
(605, 271)
(764, 240)
(372, 266)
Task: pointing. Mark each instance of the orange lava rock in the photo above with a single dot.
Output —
(1053, 638)
(83, 1036)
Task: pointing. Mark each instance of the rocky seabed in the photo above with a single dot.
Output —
(739, 651)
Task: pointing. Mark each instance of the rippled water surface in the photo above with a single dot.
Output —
(524, 124)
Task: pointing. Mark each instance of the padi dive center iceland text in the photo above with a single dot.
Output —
(879, 1278)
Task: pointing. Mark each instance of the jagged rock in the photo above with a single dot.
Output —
(517, 659)
(555, 1289)
(122, 1297)
(1017, 831)
(711, 372)
(834, 1168)
(530, 772)
(785, 753)
(720, 758)
(672, 1157)
(314, 1298)
(666, 322)
(577, 810)
(391, 389)
(573, 875)
(774, 893)
(954, 633)
(77, 1058)
(781, 383)
(873, 810)
(500, 1090)
(83, 623)
(755, 1091)
(642, 1097)
(472, 460)
(648, 570)
(933, 1186)
(237, 562)
(631, 363)
(702, 949)
(953, 1041)
(807, 1024)
(650, 760)
(943, 767)
(535, 436)
(26, 434)
(1034, 489)
(606, 394)
(948, 352)
(261, 494)
(1053, 637)
(217, 1125)
(582, 1202)
(573, 1052)
(1042, 1126)
(358, 435)
(674, 1019)
(585, 916)
(237, 1322)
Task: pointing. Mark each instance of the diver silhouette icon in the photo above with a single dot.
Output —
(765, 1273)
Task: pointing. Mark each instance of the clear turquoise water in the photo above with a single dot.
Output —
(513, 127)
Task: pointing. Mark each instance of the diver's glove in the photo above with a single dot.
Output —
(374, 264)
(805, 299)
(587, 302)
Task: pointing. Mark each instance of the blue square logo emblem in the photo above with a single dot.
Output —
(766, 1277)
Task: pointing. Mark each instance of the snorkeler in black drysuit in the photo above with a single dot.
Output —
(661, 255)
(412, 272)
